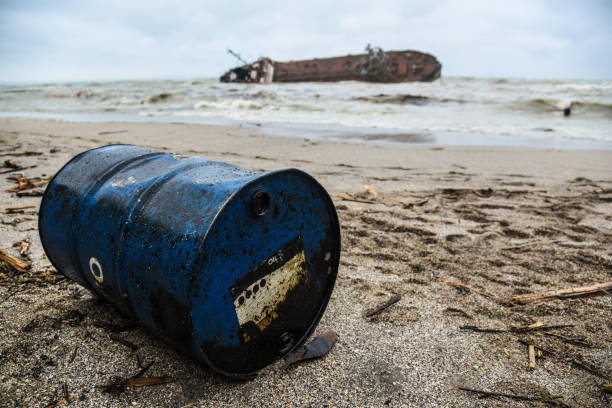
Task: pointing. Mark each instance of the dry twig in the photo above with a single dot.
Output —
(74, 353)
(549, 400)
(123, 341)
(24, 153)
(471, 289)
(60, 402)
(580, 341)
(582, 365)
(24, 247)
(525, 329)
(14, 210)
(146, 381)
(531, 352)
(394, 299)
(358, 200)
(570, 293)
(10, 166)
(18, 264)
(116, 328)
(30, 193)
(370, 190)
(461, 191)
(25, 183)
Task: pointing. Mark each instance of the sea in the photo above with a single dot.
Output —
(453, 111)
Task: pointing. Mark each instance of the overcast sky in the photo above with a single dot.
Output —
(95, 40)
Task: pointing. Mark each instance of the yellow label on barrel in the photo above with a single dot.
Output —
(259, 301)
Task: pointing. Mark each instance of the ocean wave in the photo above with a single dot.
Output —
(547, 104)
(239, 104)
(594, 107)
(305, 108)
(129, 101)
(259, 95)
(584, 87)
(162, 97)
(415, 137)
(19, 91)
(576, 106)
(407, 99)
(396, 99)
(85, 94)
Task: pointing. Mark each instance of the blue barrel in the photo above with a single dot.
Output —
(232, 267)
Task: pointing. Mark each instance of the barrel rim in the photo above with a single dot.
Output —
(331, 283)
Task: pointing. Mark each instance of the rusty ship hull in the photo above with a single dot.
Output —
(375, 66)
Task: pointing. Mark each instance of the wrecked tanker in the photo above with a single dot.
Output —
(375, 66)
(232, 267)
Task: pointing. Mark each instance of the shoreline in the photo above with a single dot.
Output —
(502, 220)
(337, 133)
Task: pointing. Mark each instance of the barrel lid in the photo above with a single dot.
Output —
(265, 272)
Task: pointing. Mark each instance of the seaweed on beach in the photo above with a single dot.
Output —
(18, 274)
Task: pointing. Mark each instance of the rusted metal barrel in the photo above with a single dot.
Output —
(232, 267)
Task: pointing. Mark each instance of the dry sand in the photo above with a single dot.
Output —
(519, 221)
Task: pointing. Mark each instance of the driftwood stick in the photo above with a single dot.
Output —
(515, 329)
(123, 341)
(394, 299)
(11, 210)
(532, 361)
(599, 289)
(483, 330)
(584, 366)
(471, 289)
(60, 402)
(18, 264)
(501, 394)
(142, 371)
(542, 349)
(593, 370)
(37, 192)
(11, 166)
(358, 200)
(552, 400)
(370, 190)
(540, 328)
(580, 341)
(74, 354)
(147, 381)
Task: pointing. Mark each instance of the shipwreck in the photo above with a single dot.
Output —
(375, 66)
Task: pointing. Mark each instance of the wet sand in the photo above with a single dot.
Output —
(503, 221)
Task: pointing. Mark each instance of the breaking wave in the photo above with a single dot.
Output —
(407, 99)
(230, 104)
(593, 107)
(576, 106)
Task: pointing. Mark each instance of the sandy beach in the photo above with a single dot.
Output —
(501, 222)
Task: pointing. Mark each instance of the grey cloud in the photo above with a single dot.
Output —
(75, 40)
